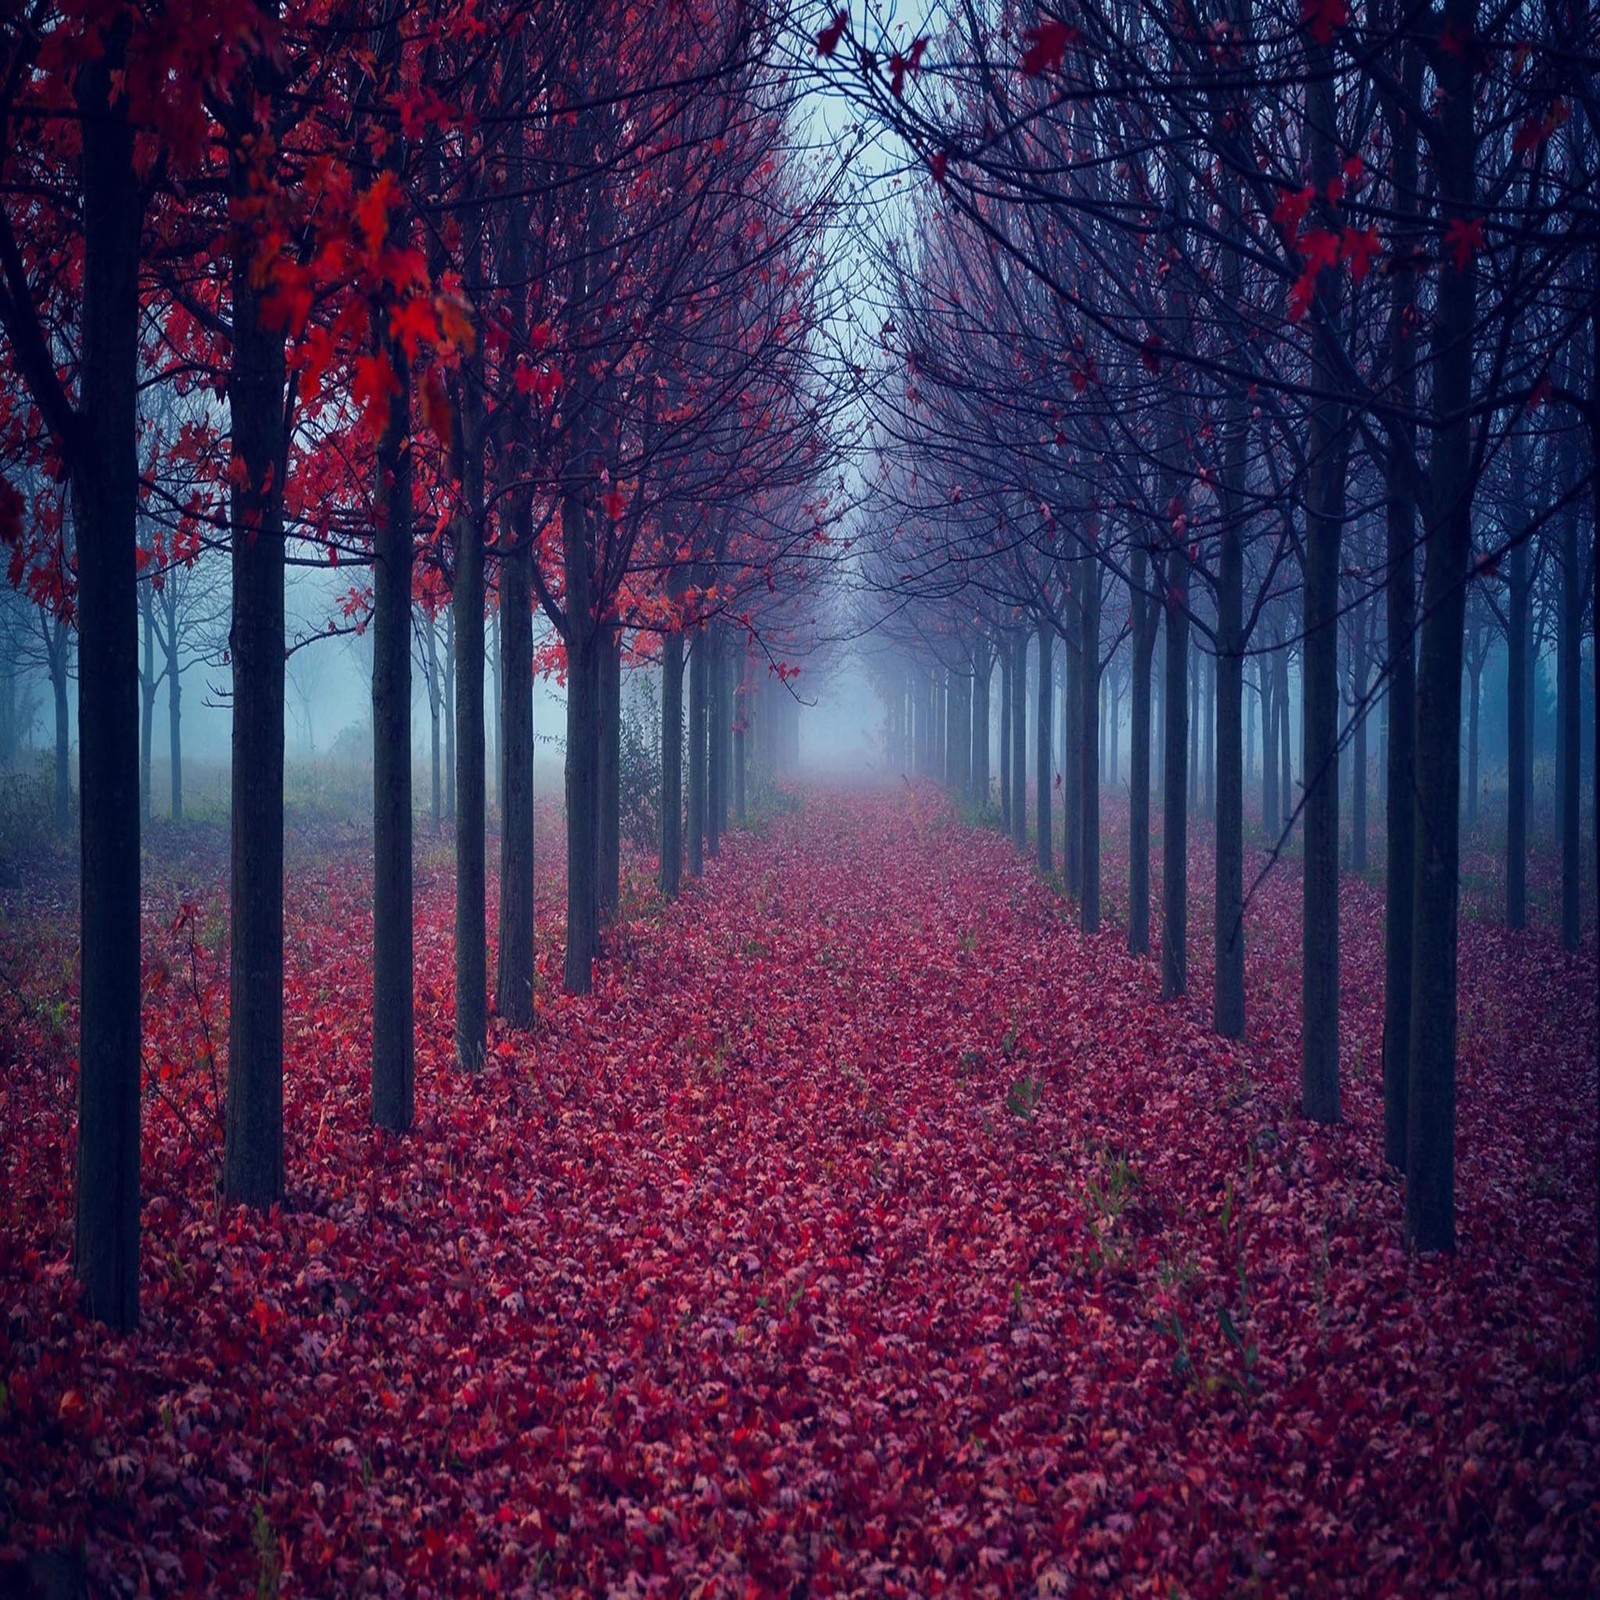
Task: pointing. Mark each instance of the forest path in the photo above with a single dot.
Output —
(867, 1230)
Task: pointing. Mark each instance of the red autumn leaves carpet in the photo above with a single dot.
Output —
(866, 1232)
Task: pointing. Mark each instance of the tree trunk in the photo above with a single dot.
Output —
(393, 997)
(1019, 738)
(1519, 587)
(1359, 673)
(1475, 696)
(1042, 759)
(147, 694)
(1089, 761)
(60, 645)
(1005, 738)
(1569, 639)
(741, 733)
(450, 713)
(494, 717)
(1400, 607)
(252, 1165)
(105, 492)
(471, 783)
(514, 671)
(583, 748)
(1327, 452)
(983, 670)
(1175, 789)
(1145, 618)
(174, 715)
(608, 887)
(672, 764)
(697, 752)
(1271, 811)
(716, 732)
(1431, 1120)
(430, 639)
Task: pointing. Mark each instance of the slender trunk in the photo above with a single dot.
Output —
(716, 732)
(1196, 661)
(608, 888)
(105, 494)
(1072, 725)
(471, 784)
(583, 749)
(697, 752)
(1286, 797)
(1271, 811)
(984, 669)
(450, 713)
(174, 716)
(1227, 1006)
(61, 644)
(1019, 738)
(1475, 695)
(741, 730)
(1089, 761)
(252, 1165)
(1359, 669)
(430, 639)
(672, 764)
(147, 695)
(496, 727)
(1006, 691)
(1431, 1120)
(1519, 585)
(1175, 790)
(1042, 754)
(393, 995)
(1327, 452)
(1569, 639)
(514, 971)
(1144, 643)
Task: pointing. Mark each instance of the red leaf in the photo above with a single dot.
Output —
(373, 387)
(828, 39)
(1046, 45)
(1463, 238)
(1360, 247)
(1324, 18)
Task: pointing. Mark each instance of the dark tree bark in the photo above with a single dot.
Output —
(430, 666)
(104, 474)
(1569, 640)
(716, 733)
(59, 645)
(672, 765)
(1089, 746)
(1175, 788)
(174, 714)
(608, 885)
(472, 868)
(252, 1165)
(147, 693)
(1005, 739)
(983, 669)
(583, 751)
(1519, 586)
(1227, 1005)
(1271, 810)
(698, 677)
(1145, 618)
(1327, 452)
(393, 996)
(450, 712)
(514, 968)
(1431, 1119)
(1360, 672)
(1044, 764)
(1019, 738)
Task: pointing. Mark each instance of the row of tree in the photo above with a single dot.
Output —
(1247, 326)
(483, 296)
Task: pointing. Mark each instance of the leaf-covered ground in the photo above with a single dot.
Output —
(867, 1231)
